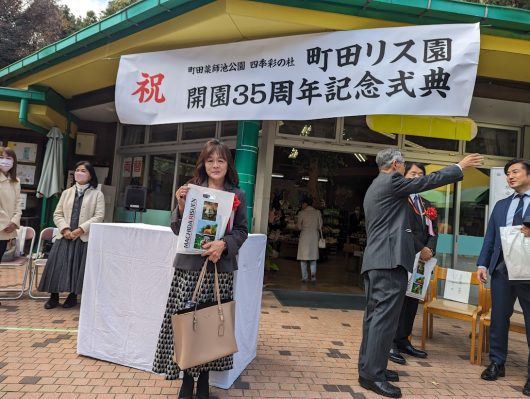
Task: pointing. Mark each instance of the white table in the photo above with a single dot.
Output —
(127, 279)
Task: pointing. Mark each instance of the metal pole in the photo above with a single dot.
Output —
(247, 160)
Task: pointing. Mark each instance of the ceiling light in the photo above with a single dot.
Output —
(278, 175)
(306, 130)
(360, 157)
(320, 179)
(293, 154)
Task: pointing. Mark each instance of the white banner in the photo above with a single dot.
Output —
(416, 70)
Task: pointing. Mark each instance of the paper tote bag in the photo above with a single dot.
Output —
(516, 251)
(206, 332)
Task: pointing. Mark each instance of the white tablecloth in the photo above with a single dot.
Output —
(127, 279)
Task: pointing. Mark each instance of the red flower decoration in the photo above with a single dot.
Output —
(431, 213)
(236, 203)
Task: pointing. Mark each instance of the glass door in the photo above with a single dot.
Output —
(443, 199)
(473, 208)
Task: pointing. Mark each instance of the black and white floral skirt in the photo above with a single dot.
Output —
(182, 287)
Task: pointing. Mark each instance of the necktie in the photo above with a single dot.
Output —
(418, 203)
(518, 215)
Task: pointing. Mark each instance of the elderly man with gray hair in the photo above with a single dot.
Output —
(388, 256)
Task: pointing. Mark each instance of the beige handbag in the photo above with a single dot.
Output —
(205, 332)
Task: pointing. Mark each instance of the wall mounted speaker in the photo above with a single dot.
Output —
(135, 198)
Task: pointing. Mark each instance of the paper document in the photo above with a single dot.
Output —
(457, 285)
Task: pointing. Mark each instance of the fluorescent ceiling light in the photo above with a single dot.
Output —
(321, 179)
(360, 157)
(278, 175)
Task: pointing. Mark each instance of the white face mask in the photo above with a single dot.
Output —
(6, 164)
(81, 177)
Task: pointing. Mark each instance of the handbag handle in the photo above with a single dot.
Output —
(217, 296)
(198, 286)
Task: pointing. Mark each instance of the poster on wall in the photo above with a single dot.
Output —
(412, 70)
(127, 165)
(23, 200)
(137, 166)
(26, 174)
(26, 152)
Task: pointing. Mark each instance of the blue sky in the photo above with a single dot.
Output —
(80, 7)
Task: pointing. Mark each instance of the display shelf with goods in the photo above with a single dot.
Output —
(283, 233)
(331, 229)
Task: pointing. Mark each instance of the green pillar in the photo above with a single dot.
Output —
(247, 161)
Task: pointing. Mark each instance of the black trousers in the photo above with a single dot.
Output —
(503, 295)
(3, 247)
(406, 322)
(385, 290)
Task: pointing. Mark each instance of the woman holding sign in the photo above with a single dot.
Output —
(214, 169)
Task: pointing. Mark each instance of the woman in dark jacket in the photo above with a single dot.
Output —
(214, 169)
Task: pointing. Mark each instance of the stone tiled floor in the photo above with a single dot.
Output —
(302, 353)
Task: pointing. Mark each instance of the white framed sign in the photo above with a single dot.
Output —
(26, 152)
(417, 70)
(26, 174)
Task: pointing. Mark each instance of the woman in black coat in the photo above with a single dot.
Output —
(214, 169)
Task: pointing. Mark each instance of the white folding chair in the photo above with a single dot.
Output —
(46, 235)
(19, 262)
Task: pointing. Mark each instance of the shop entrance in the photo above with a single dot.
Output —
(336, 183)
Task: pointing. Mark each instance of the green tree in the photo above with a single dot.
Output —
(116, 5)
(11, 30)
(45, 19)
(69, 20)
(524, 4)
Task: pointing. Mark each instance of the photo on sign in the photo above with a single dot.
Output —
(417, 284)
(201, 239)
(209, 210)
(207, 227)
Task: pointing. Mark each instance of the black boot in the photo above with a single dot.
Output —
(203, 385)
(186, 389)
(70, 302)
(53, 301)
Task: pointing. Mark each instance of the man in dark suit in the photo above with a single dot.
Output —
(425, 235)
(510, 211)
(388, 256)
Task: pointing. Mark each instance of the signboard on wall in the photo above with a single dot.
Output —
(127, 166)
(413, 70)
(137, 166)
(26, 152)
(26, 174)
